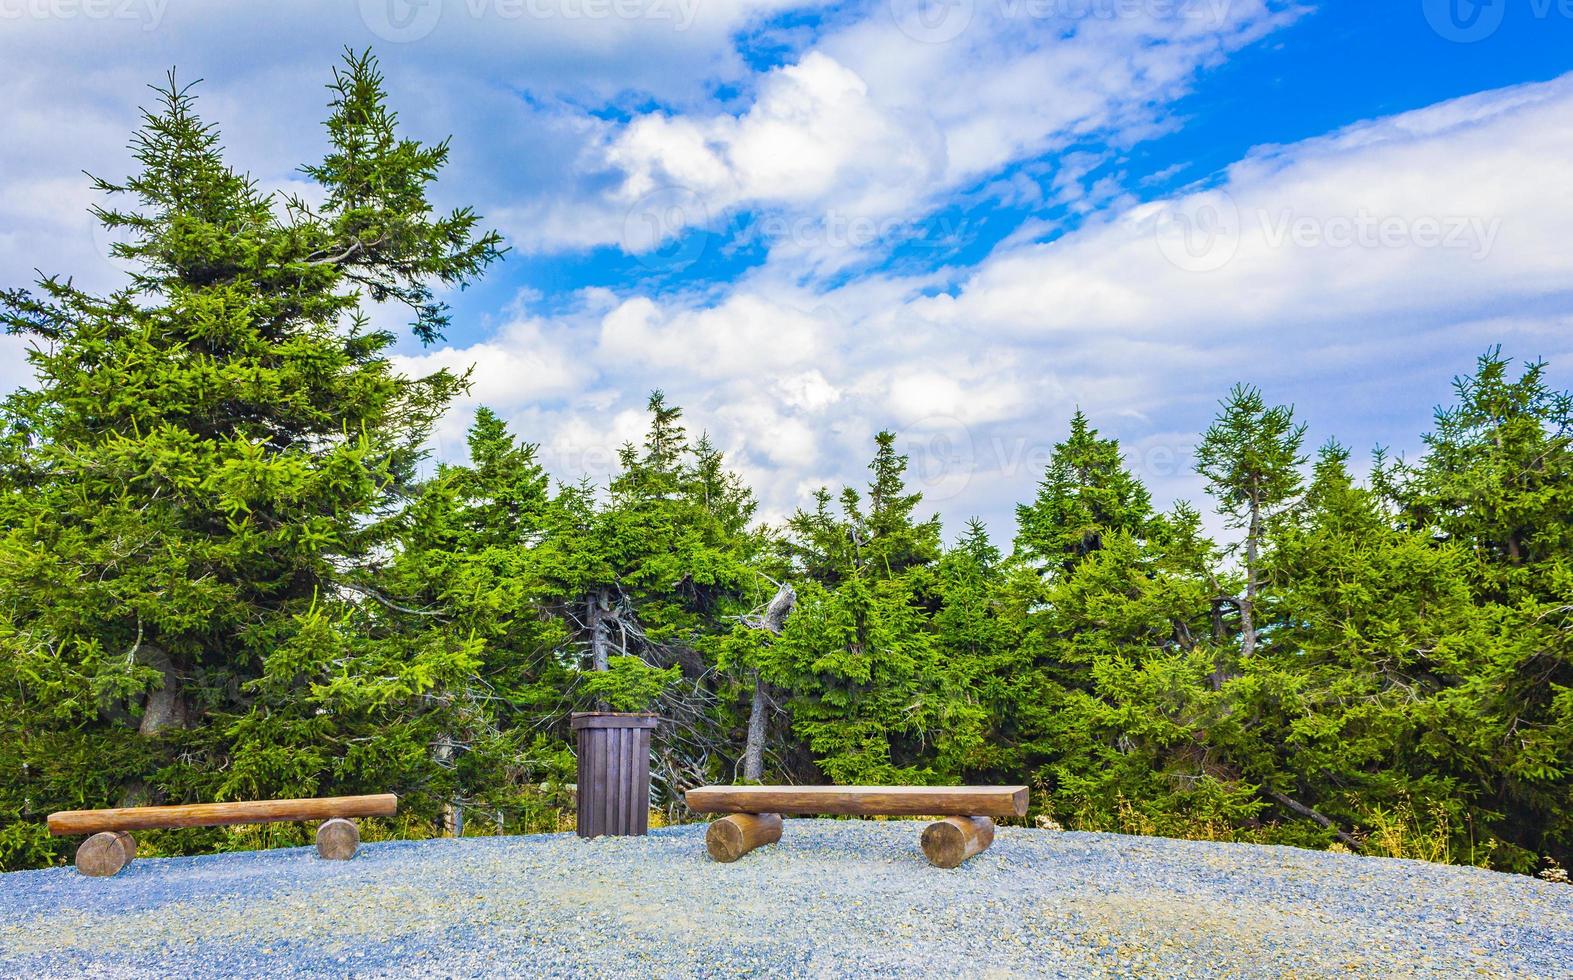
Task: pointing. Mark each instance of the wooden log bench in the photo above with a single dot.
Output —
(754, 814)
(111, 846)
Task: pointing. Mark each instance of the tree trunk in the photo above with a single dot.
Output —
(754, 748)
(949, 842)
(736, 834)
(595, 618)
(1248, 604)
(164, 707)
(780, 607)
(452, 819)
(773, 621)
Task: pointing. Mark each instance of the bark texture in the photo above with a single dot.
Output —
(164, 707)
(773, 621)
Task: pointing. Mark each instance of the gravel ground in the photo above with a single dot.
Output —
(833, 899)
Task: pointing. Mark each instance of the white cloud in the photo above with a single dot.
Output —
(509, 79)
(981, 379)
(1420, 215)
(808, 390)
(736, 338)
(14, 368)
(874, 125)
(978, 367)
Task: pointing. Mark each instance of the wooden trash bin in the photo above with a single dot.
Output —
(614, 773)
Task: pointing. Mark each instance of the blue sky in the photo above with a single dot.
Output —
(958, 219)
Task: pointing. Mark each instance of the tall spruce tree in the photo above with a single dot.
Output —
(201, 469)
(1365, 625)
(1086, 492)
(1497, 482)
(465, 574)
(977, 643)
(858, 652)
(1251, 459)
(1115, 715)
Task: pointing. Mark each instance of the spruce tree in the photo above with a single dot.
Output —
(465, 574)
(976, 641)
(199, 474)
(1366, 625)
(858, 652)
(1085, 493)
(1113, 712)
(1250, 457)
(1497, 482)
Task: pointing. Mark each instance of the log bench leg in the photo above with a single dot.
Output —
(949, 842)
(736, 834)
(337, 839)
(105, 853)
(129, 844)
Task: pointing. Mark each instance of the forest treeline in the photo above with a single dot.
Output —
(223, 574)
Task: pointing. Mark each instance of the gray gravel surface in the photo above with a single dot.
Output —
(833, 899)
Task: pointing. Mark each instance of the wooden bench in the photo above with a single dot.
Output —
(755, 814)
(111, 846)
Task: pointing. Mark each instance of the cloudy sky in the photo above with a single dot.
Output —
(957, 219)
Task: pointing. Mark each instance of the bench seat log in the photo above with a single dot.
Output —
(70, 822)
(895, 801)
